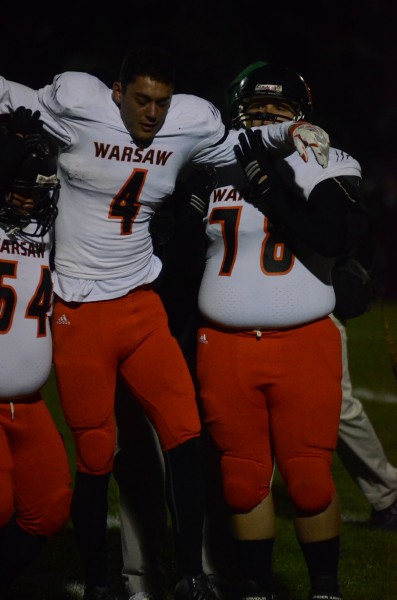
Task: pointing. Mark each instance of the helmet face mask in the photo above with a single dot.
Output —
(269, 83)
(251, 116)
(30, 206)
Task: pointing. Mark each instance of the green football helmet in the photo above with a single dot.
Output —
(275, 82)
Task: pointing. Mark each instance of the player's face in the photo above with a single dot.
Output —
(22, 204)
(143, 107)
(282, 111)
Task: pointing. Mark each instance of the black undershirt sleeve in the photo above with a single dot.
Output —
(331, 221)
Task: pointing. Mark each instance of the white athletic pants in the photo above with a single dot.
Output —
(359, 447)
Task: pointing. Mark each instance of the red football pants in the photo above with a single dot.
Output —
(93, 342)
(278, 395)
(34, 471)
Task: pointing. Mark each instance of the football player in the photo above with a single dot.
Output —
(121, 150)
(269, 361)
(177, 233)
(143, 519)
(34, 471)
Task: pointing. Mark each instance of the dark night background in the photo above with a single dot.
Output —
(346, 51)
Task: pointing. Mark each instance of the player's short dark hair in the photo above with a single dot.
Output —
(148, 61)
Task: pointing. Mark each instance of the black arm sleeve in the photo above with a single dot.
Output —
(331, 222)
(179, 241)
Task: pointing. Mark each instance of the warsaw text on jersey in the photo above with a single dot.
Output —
(131, 154)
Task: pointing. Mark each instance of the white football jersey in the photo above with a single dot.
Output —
(110, 188)
(252, 280)
(25, 306)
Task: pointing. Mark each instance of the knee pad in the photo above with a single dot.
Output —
(54, 515)
(95, 450)
(58, 514)
(309, 483)
(245, 483)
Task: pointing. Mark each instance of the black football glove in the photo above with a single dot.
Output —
(199, 185)
(258, 166)
(26, 125)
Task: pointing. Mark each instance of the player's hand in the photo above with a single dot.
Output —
(26, 125)
(305, 135)
(186, 208)
(162, 225)
(199, 185)
(258, 166)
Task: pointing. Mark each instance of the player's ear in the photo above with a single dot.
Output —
(117, 92)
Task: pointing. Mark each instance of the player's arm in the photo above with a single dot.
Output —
(179, 220)
(178, 238)
(298, 136)
(45, 100)
(281, 139)
(331, 221)
(14, 94)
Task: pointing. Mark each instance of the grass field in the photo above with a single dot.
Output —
(368, 558)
